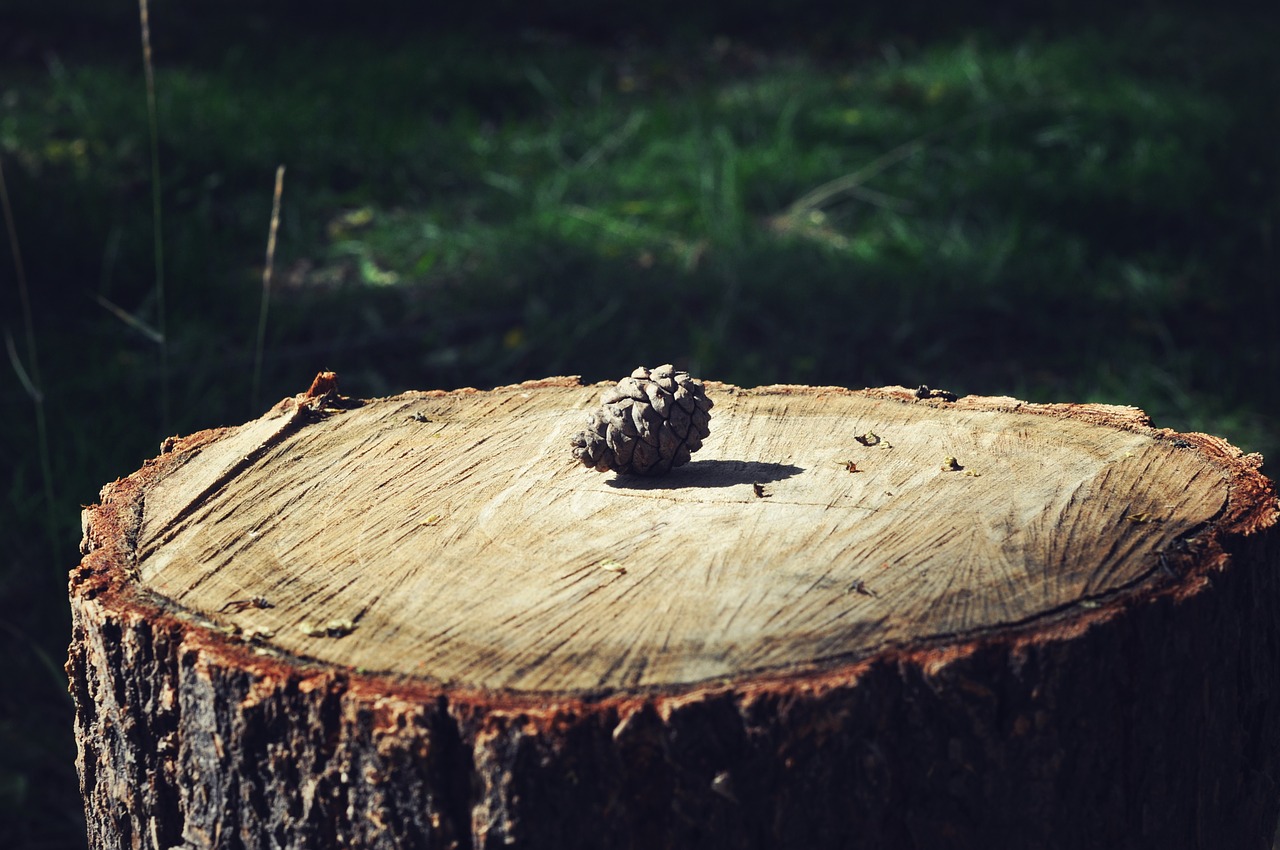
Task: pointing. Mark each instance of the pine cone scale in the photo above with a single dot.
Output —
(680, 421)
(658, 397)
(631, 388)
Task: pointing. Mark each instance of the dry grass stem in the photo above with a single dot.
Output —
(266, 283)
(157, 218)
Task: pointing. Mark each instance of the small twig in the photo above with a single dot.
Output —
(266, 284)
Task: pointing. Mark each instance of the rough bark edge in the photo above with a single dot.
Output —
(908, 748)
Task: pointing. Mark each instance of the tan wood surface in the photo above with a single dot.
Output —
(457, 536)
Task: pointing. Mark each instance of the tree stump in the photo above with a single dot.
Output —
(856, 619)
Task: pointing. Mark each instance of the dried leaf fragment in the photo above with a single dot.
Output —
(235, 606)
(860, 586)
(323, 384)
(332, 629)
(871, 438)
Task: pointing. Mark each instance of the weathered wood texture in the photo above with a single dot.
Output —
(416, 622)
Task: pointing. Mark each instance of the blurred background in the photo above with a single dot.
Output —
(1067, 202)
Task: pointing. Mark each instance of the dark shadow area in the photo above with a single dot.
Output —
(708, 474)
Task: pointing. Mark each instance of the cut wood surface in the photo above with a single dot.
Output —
(856, 618)
(459, 538)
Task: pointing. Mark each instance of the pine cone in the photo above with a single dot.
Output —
(646, 425)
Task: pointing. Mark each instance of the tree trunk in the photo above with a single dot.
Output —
(855, 619)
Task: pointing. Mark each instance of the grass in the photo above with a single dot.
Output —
(1061, 213)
